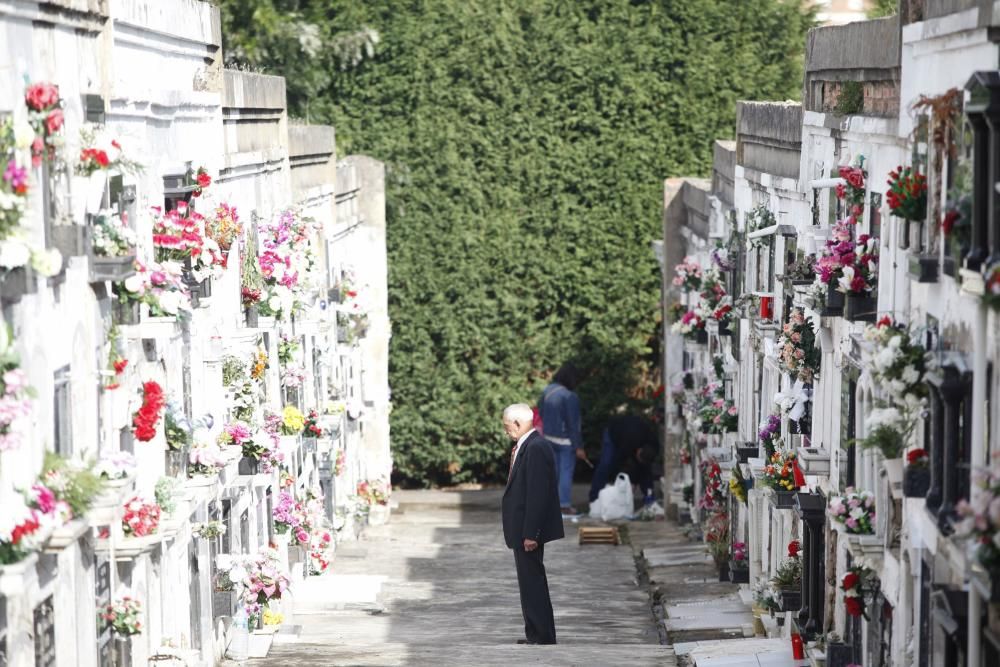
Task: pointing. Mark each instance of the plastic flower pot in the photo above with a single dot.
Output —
(739, 575)
(724, 329)
(860, 307)
(791, 599)
(724, 572)
(248, 466)
(834, 306)
(111, 269)
(923, 268)
(839, 654)
(125, 313)
(701, 337)
(17, 282)
(252, 317)
(746, 452)
(176, 461)
(784, 500)
(916, 481)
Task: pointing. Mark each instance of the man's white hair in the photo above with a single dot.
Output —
(519, 412)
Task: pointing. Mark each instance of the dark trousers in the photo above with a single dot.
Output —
(539, 623)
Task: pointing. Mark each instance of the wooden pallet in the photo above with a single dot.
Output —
(599, 535)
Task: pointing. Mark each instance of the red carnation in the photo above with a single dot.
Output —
(850, 581)
(793, 549)
(120, 366)
(204, 180)
(916, 456)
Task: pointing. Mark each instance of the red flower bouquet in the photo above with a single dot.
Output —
(145, 418)
(907, 194)
(45, 115)
(200, 179)
(853, 191)
(312, 428)
(853, 585)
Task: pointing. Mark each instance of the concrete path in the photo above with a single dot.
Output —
(436, 586)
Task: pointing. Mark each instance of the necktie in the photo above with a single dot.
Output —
(513, 453)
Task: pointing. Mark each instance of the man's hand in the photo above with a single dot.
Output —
(581, 454)
(530, 545)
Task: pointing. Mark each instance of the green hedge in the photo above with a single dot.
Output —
(526, 143)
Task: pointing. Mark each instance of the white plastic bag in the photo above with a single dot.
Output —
(615, 501)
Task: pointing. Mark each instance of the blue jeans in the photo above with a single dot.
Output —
(565, 465)
(604, 465)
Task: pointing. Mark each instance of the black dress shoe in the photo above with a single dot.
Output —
(525, 641)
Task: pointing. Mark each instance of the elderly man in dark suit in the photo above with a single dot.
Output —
(531, 517)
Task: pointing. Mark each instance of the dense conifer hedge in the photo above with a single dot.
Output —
(527, 142)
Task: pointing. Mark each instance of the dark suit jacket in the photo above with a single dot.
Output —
(531, 500)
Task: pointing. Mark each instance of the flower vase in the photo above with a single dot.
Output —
(701, 337)
(248, 466)
(122, 651)
(125, 313)
(784, 500)
(724, 572)
(834, 306)
(252, 317)
(839, 654)
(175, 462)
(739, 575)
(916, 481)
(791, 599)
(860, 307)
(378, 515)
(97, 185)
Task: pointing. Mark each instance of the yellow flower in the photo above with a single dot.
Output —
(273, 617)
(292, 420)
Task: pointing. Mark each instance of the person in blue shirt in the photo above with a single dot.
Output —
(559, 409)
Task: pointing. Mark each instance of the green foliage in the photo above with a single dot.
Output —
(77, 486)
(851, 99)
(165, 493)
(883, 8)
(526, 143)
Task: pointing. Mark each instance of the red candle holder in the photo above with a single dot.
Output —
(767, 307)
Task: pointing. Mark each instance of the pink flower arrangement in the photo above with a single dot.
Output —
(739, 559)
(980, 523)
(855, 510)
(798, 353)
(687, 275)
(141, 517)
(15, 403)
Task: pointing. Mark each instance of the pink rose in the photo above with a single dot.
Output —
(54, 121)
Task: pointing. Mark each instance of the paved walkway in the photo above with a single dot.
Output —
(436, 586)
